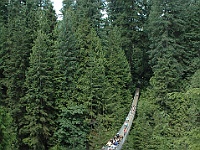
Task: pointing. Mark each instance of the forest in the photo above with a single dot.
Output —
(68, 84)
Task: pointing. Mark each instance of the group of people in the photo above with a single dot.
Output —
(114, 142)
(133, 109)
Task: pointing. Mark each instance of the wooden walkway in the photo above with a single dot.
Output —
(129, 120)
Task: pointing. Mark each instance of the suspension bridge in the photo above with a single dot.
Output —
(122, 134)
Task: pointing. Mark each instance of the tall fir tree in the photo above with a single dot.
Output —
(131, 16)
(20, 34)
(65, 68)
(165, 49)
(18, 44)
(91, 9)
(86, 89)
(3, 30)
(118, 73)
(191, 38)
(39, 101)
(119, 76)
(192, 95)
(7, 137)
(82, 61)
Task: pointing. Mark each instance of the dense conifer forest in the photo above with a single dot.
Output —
(68, 84)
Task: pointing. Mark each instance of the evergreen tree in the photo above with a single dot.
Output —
(192, 96)
(191, 38)
(86, 88)
(39, 85)
(92, 82)
(82, 61)
(7, 137)
(65, 68)
(2, 77)
(38, 121)
(16, 52)
(2, 53)
(4, 11)
(130, 16)
(168, 115)
(21, 32)
(50, 18)
(164, 32)
(118, 74)
(91, 9)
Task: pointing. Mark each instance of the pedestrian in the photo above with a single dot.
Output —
(125, 130)
(127, 119)
(117, 135)
(125, 125)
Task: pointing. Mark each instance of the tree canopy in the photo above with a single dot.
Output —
(68, 84)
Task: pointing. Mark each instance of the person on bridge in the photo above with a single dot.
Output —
(112, 147)
(125, 125)
(116, 143)
(133, 108)
(127, 119)
(117, 135)
(109, 142)
(125, 130)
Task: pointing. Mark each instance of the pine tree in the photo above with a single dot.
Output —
(4, 11)
(118, 73)
(192, 96)
(191, 38)
(2, 77)
(7, 137)
(82, 61)
(18, 44)
(167, 111)
(39, 99)
(86, 87)
(65, 68)
(164, 32)
(131, 16)
(91, 9)
(3, 30)
(21, 32)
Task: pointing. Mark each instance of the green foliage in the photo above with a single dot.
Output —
(165, 27)
(130, 17)
(70, 88)
(195, 81)
(19, 37)
(7, 137)
(20, 32)
(38, 121)
(4, 11)
(72, 128)
(2, 53)
(91, 9)
(191, 37)
(82, 61)
(118, 74)
(92, 80)
(166, 76)
(172, 126)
